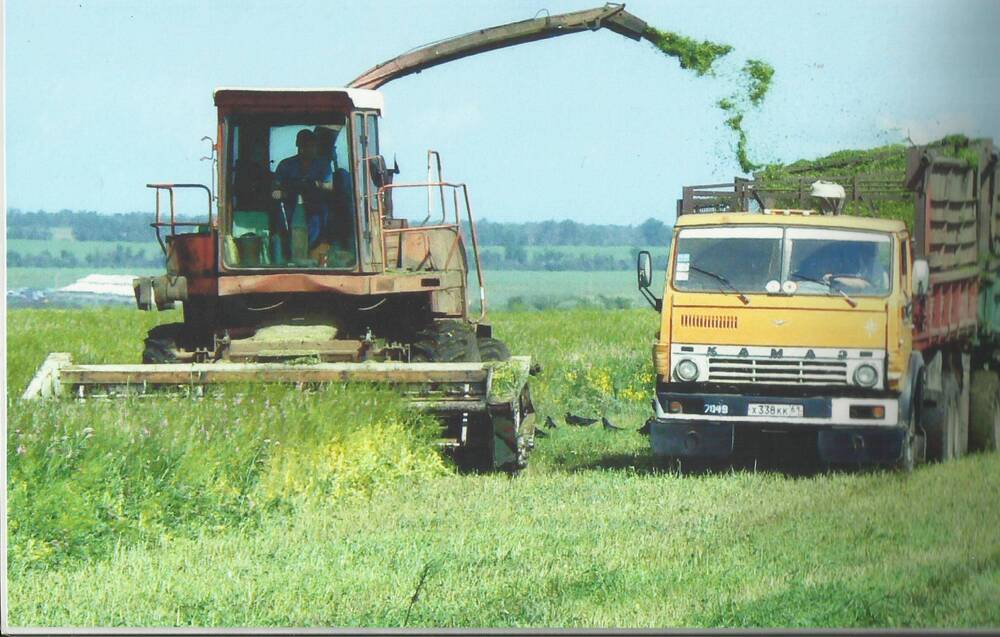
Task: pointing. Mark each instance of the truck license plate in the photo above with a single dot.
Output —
(780, 411)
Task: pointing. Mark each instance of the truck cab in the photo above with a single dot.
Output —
(785, 321)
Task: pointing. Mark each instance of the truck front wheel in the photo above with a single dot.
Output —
(912, 445)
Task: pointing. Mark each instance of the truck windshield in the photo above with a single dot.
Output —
(745, 257)
(818, 260)
(822, 261)
(291, 195)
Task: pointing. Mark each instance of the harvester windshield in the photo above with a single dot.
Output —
(291, 194)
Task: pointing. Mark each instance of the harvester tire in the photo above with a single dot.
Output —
(491, 349)
(984, 407)
(161, 344)
(445, 342)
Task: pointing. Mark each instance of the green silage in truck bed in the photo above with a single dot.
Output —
(878, 174)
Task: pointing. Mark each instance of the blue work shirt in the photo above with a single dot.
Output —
(291, 173)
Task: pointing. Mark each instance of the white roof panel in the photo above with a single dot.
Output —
(361, 97)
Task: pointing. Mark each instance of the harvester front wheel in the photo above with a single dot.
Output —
(445, 342)
(161, 344)
(490, 349)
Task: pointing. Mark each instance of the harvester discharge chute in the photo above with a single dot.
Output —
(309, 272)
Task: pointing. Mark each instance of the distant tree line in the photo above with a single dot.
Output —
(571, 233)
(27, 232)
(119, 257)
(513, 238)
(89, 225)
(86, 225)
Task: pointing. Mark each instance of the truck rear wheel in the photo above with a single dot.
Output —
(961, 439)
(942, 437)
(984, 416)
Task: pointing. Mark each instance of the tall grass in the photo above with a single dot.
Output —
(593, 361)
(86, 477)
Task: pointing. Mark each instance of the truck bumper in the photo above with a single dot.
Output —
(839, 437)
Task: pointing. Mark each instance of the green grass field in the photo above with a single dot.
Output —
(54, 278)
(618, 252)
(554, 289)
(276, 508)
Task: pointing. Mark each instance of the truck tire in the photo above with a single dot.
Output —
(491, 349)
(984, 408)
(913, 445)
(160, 345)
(941, 438)
(445, 342)
(961, 437)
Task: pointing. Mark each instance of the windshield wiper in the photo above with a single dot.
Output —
(829, 287)
(725, 281)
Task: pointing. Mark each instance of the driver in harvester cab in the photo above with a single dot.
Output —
(308, 175)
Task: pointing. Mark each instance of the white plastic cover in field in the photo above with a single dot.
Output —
(113, 284)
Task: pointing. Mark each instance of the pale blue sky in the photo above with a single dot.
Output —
(103, 97)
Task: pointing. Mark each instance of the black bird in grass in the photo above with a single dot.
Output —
(577, 421)
(549, 423)
(541, 433)
(609, 425)
(644, 430)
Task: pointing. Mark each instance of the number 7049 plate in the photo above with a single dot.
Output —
(780, 411)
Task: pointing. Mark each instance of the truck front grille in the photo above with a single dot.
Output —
(776, 371)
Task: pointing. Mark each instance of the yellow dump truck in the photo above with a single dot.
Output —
(834, 327)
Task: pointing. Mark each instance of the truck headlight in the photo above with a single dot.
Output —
(866, 376)
(686, 371)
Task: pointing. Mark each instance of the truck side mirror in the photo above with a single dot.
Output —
(644, 270)
(921, 277)
(644, 267)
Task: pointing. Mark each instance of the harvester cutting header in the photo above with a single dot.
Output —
(305, 256)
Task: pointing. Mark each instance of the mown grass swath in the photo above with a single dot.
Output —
(271, 507)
